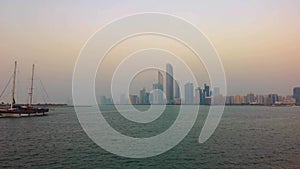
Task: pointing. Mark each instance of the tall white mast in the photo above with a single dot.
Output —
(14, 86)
(31, 87)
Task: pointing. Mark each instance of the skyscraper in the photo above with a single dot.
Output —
(169, 84)
(144, 96)
(296, 95)
(189, 93)
(147, 99)
(177, 90)
(177, 99)
(250, 98)
(202, 97)
(237, 99)
(272, 99)
(158, 97)
(160, 78)
(197, 95)
(260, 99)
(134, 99)
(207, 91)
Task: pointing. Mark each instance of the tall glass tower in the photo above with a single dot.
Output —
(158, 97)
(189, 93)
(169, 84)
(177, 90)
(297, 95)
(207, 91)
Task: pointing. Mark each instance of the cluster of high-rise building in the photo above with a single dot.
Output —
(269, 99)
(252, 99)
(143, 98)
(206, 96)
(198, 95)
(202, 96)
(172, 92)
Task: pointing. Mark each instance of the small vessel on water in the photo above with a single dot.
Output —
(15, 110)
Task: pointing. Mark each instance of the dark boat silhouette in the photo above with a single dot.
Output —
(15, 110)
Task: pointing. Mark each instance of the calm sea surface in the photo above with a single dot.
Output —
(247, 137)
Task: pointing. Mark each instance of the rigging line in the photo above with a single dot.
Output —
(43, 95)
(6, 95)
(35, 95)
(6, 86)
(44, 89)
(18, 90)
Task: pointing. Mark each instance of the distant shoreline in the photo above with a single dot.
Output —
(4, 106)
(260, 105)
(45, 105)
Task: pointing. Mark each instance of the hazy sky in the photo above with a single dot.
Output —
(258, 41)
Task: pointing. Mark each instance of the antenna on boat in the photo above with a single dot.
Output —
(31, 87)
(13, 87)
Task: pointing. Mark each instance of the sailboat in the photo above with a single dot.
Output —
(15, 110)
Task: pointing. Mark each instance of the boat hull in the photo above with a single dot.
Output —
(23, 112)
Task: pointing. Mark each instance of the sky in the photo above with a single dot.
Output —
(258, 41)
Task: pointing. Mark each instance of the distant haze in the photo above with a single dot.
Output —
(258, 41)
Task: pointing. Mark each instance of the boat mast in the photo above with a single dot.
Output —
(31, 87)
(14, 86)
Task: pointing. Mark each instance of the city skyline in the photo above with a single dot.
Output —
(201, 99)
(194, 95)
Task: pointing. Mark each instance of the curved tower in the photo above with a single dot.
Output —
(169, 84)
